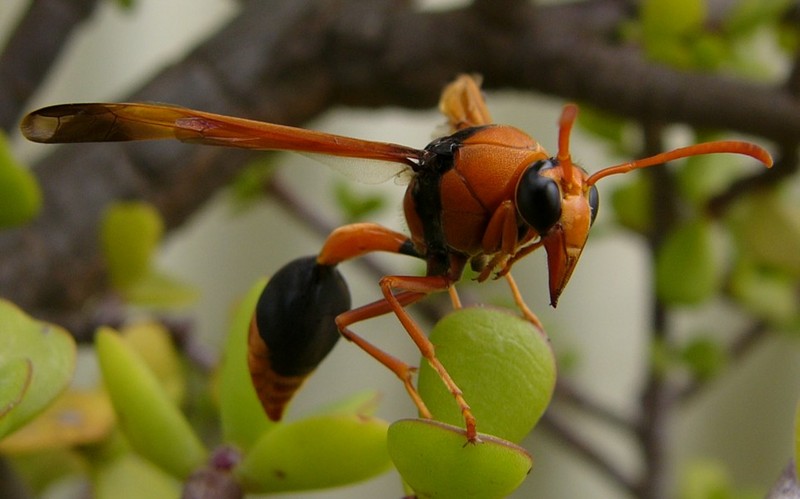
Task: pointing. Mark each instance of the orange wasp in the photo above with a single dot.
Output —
(486, 195)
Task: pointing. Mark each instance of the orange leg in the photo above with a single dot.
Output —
(426, 285)
(352, 241)
(523, 307)
(401, 369)
(411, 289)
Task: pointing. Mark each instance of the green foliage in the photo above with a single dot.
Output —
(249, 185)
(36, 364)
(766, 229)
(687, 269)
(20, 195)
(130, 235)
(705, 357)
(127, 476)
(631, 203)
(317, 452)
(498, 360)
(242, 418)
(355, 204)
(750, 15)
(797, 440)
(150, 421)
(765, 292)
(436, 463)
(705, 479)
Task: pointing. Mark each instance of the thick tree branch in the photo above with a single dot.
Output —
(320, 53)
(28, 54)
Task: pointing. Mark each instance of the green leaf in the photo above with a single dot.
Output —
(706, 480)
(250, 184)
(129, 234)
(129, 477)
(15, 378)
(152, 423)
(768, 293)
(605, 125)
(36, 364)
(314, 453)
(243, 418)
(701, 177)
(662, 19)
(355, 204)
(74, 418)
(705, 357)
(153, 343)
(631, 203)
(767, 230)
(434, 460)
(747, 16)
(687, 270)
(20, 195)
(364, 403)
(797, 440)
(502, 363)
(156, 290)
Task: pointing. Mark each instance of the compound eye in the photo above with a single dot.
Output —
(539, 197)
(594, 202)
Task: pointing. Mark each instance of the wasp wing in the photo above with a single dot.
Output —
(96, 122)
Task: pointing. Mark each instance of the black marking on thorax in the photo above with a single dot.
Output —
(427, 195)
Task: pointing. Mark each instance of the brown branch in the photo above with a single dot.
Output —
(589, 452)
(32, 48)
(319, 53)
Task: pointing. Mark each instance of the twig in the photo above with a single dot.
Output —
(568, 393)
(23, 64)
(558, 427)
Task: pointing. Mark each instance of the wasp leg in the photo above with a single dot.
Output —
(426, 285)
(411, 289)
(355, 240)
(463, 104)
(401, 369)
(523, 307)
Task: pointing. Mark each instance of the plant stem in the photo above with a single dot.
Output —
(657, 399)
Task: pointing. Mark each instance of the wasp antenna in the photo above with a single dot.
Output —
(716, 147)
(568, 117)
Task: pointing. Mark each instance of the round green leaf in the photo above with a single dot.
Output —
(129, 234)
(20, 195)
(243, 418)
(502, 363)
(15, 378)
(36, 364)
(433, 459)
(152, 423)
(687, 271)
(314, 453)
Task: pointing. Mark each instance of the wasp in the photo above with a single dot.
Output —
(484, 195)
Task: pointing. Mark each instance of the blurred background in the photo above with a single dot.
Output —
(600, 330)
